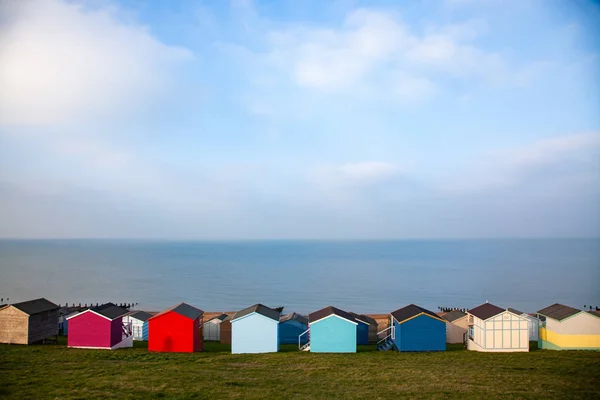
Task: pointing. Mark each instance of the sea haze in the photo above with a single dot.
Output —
(362, 276)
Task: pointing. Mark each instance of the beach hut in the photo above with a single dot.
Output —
(225, 331)
(417, 329)
(28, 322)
(176, 329)
(211, 330)
(331, 330)
(496, 329)
(533, 323)
(139, 324)
(567, 328)
(456, 326)
(362, 328)
(255, 330)
(373, 327)
(291, 326)
(63, 322)
(100, 327)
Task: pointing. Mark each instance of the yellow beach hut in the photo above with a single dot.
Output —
(567, 328)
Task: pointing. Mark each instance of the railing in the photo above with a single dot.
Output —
(303, 346)
(126, 330)
(391, 334)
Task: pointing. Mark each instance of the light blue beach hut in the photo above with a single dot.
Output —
(255, 330)
(331, 330)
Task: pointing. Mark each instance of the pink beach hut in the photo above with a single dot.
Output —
(100, 327)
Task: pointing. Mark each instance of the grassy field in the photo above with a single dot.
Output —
(56, 372)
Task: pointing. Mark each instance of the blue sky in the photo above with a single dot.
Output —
(299, 119)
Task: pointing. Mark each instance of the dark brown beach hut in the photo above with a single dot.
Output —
(28, 322)
(225, 327)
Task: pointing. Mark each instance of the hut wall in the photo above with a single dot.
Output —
(505, 332)
(89, 330)
(455, 331)
(362, 333)
(43, 325)
(290, 330)
(225, 332)
(373, 329)
(332, 335)
(211, 330)
(581, 331)
(422, 333)
(139, 328)
(254, 333)
(14, 327)
(116, 331)
(172, 332)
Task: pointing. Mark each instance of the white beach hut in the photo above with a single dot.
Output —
(212, 328)
(456, 326)
(532, 322)
(495, 329)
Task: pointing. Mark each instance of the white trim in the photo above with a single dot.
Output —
(88, 310)
(364, 322)
(332, 315)
(252, 313)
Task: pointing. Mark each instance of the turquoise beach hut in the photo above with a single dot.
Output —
(331, 330)
(414, 328)
(291, 326)
(255, 330)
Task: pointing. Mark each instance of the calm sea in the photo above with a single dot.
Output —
(362, 276)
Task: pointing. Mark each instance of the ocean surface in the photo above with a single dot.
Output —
(303, 276)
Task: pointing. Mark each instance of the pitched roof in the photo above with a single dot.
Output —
(183, 309)
(360, 318)
(595, 313)
(140, 315)
(35, 306)
(410, 311)
(109, 310)
(486, 310)
(330, 310)
(454, 315)
(294, 316)
(221, 318)
(515, 311)
(259, 309)
(558, 311)
(366, 318)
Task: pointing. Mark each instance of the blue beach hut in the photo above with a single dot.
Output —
(255, 330)
(362, 329)
(331, 330)
(291, 326)
(417, 329)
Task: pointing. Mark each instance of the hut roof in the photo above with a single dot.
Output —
(36, 306)
(183, 309)
(515, 311)
(221, 317)
(486, 310)
(360, 318)
(140, 315)
(369, 320)
(454, 315)
(330, 310)
(109, 310)
(595, 313)
(259, 309)
(558, 311)
(412, 310)
(294, 316)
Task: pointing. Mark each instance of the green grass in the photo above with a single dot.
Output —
(56, 372)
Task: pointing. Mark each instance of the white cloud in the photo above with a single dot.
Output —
(61, 63)
(356, 174)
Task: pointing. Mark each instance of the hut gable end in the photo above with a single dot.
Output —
(14, 327)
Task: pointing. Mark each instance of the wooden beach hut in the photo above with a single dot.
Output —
(567, 328)
(100, 327)
(225, 331)
(331, 330)
(362, 328)
(291, 326)
(28, 322)
(373, 327)
(533, 323)
(139, 324)
(456, 326)
(415, 328)
(176, 329)
(211, 330)
(255, 330)
(495, 329)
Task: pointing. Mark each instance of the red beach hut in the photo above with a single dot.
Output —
(100, 327)
(176, 329)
